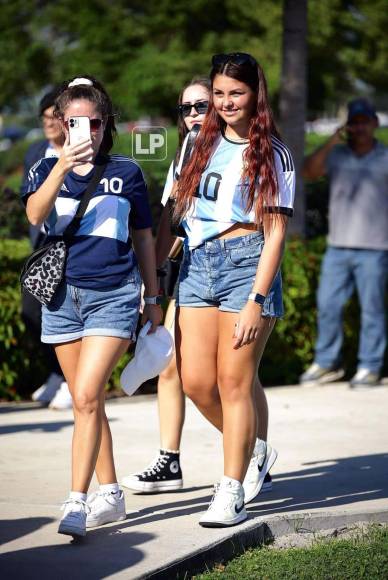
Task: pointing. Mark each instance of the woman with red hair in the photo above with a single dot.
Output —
(233, 199)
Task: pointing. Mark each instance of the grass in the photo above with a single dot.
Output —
(364, 556)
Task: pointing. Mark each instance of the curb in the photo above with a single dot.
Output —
(258, 533)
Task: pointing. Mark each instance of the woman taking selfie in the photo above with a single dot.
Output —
(233, 198)
(92, 317)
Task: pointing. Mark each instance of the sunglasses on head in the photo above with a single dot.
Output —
(95, 124)
(239, 58)
(200, 107)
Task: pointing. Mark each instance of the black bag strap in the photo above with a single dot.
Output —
(189, 147)
(178, 229)
(73, 226)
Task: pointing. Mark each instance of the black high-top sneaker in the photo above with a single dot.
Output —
(163, 474)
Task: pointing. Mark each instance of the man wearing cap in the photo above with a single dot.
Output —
(357, 253)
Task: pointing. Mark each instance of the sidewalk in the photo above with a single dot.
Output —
(333, 462)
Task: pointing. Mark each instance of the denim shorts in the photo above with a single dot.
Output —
(77, 312)
(221, 273)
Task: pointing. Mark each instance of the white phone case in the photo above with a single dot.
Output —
(79, 130)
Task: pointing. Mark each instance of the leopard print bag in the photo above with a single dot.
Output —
(43, 271)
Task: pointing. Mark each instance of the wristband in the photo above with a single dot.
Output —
(258, 298)
(153, 300)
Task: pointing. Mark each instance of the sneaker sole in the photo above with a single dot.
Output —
(266, 467)
(364, 386)
(221, 524)
(102, 522)
(331, 377)
(145, 487)
(69, 531)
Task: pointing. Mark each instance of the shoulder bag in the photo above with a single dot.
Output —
(43, 270)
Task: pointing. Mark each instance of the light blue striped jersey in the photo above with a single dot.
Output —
(100, 254)
(219, 201)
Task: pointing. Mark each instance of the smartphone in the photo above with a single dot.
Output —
(79, 130)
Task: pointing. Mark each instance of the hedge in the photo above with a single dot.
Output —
(289, 350)
(291, 345)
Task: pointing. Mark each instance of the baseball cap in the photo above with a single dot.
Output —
(152, 354)
(361, 107)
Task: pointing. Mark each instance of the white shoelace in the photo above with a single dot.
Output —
(217, 494)
(105, 495)
(216, 489)
(80, 502)
(156, 466)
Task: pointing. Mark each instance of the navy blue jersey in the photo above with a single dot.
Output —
(100, 254)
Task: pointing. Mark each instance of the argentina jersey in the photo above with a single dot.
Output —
(219, 203)
(100, 253)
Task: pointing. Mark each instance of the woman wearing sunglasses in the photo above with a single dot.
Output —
(93, 316)
(164, 472)
(233, 199)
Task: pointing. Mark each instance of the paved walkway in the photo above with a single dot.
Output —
(333, 452)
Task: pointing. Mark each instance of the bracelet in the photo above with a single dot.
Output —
(153, 300)
(258, 298)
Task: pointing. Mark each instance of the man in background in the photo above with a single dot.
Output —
(357, 254)
(54, 390)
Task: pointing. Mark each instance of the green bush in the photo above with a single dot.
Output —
(22, 367)
(290, 348)
(15, 353)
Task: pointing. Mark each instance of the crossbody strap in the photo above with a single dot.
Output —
(86, 196)
(189, 145)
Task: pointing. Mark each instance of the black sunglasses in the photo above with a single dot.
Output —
(239, 58)
(200, 107)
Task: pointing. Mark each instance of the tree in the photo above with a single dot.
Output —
(292, 102)
(24, 58)
(144, 51)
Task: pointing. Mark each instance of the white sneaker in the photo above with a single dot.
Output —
(73, 522)
(46, 392)
(258, 468)
(317, 375)
(62, 399)
(364, 379)
(226, 507)
(105, 507)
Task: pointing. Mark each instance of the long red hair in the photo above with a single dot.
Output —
(259, 168)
